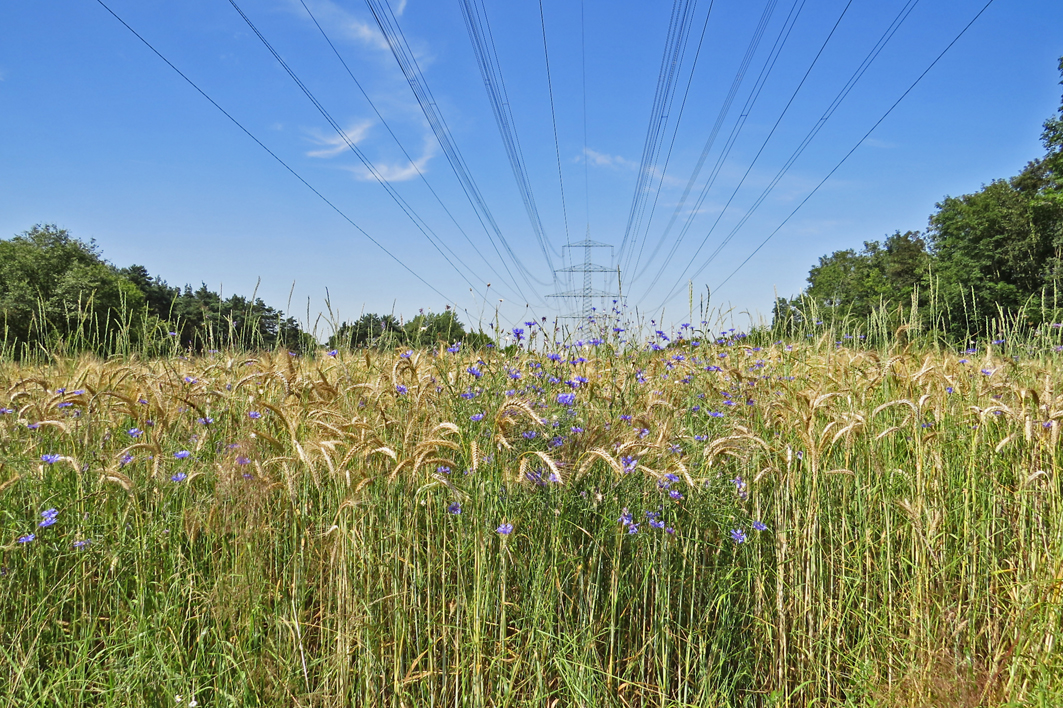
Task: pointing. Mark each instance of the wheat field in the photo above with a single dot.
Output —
(723, 520)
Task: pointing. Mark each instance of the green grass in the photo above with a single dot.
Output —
(913, 553)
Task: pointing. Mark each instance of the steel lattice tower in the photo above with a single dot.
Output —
(586, 294)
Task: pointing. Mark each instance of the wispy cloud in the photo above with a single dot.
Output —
(333, 145)
(601, 159)
(335, 20)
(401, 172)
(875, 142)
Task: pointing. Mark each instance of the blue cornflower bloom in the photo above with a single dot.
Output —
(629, 463)
(401, 390)
(82, 544)
(566, 399)
(125, 460)
(406, 354)
(443, 469)
(633, 528)
(475, 372)
(528, 434)
(27, 538)
(63, 405)
(182, 454)
(47, 521)
(254, 415)
(476, 417)
(759, 526)
(505, 529)
(455, 348)
(179, 477)
(576, 430)
(738, 535)
(675, 494)
(5, 411)
(332, 353)
(135, 432)
(50, 458)
(206, 421)
(454, 508)
(190, 380)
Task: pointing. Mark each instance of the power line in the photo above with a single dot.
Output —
(860, 70)
(272, 154)
(890, 31)
(487, 60)
(854, 148)
(553, 118)
(396, 41)
(721, 116)
(736, 130)
(406, 208)
(674, 49)
(671, 144)
(413, 163)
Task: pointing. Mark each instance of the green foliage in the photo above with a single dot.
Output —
(428, 329)
(383, 331)
(997, 248)
(57, 291)
(994, 255)
(51, 283)
(855, 284)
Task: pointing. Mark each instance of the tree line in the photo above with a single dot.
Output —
(57, 291)
(995, 254)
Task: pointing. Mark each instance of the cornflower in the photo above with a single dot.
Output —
(505, 529)
(738, 535)
(50, 458)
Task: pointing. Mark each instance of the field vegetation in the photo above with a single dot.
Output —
(835, 518)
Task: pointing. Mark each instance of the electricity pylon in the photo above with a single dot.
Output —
(585, 295)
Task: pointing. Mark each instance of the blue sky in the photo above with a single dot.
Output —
(103, 138)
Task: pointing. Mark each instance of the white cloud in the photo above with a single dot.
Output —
(400, 172)
(333, 145)
(334, 19)
(601, 159)
(875, 142)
